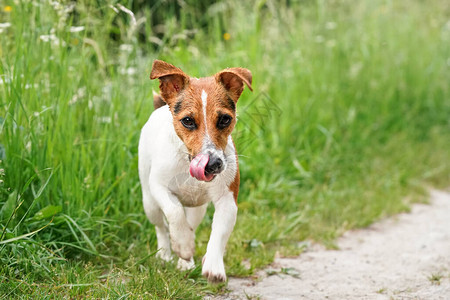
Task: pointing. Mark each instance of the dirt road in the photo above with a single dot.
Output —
(403, 257)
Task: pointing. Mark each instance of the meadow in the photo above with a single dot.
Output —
(349, 122)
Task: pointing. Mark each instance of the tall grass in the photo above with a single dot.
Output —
(348, 122)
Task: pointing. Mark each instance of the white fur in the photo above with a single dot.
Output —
(204, 103)
(176, 203)
(208, 146)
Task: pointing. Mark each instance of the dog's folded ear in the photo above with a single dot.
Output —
(233, 80)
(171, 79)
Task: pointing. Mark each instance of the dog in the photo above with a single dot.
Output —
(187, 159)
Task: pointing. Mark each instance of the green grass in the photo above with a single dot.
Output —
(435, 278)
(348, 123)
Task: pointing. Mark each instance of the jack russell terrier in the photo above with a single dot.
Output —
(187, 159)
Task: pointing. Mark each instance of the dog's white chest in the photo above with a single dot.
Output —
(189, 191)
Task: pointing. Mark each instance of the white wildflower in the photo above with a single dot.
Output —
(4, 80)
(76, 28)
(107, 92)
(127, 71)
(105, 120)
(126, 47)
(194, 51)
(52, 38)
(48, 37)
(81, 92)
(63, 11)
(29, 86)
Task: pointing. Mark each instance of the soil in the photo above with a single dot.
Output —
(403, 257)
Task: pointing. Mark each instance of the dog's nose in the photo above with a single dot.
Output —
(214, 165)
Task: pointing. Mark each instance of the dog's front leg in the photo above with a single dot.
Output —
(223, 224)
(181, 233)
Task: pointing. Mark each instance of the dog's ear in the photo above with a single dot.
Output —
(171, 79)
(233, 80)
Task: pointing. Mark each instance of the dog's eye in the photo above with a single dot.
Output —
(224, 121)
(189, 123)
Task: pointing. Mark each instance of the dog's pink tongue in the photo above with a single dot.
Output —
(197, 167)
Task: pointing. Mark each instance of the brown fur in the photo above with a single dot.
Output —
(158, 101)
(234, 186)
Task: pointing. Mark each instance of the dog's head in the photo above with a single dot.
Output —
(204, 112)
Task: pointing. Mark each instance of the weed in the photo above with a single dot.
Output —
(435, 278)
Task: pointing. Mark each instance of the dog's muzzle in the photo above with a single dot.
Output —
(205, 167)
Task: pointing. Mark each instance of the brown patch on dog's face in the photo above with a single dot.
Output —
(188, 121)
(203, 110)
(204, 114)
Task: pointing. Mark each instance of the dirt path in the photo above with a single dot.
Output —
(404, 257)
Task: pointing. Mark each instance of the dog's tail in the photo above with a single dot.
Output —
(158, 101)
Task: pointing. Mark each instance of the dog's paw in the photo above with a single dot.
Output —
(213, 269)
(185, 265)
(164, 254)
(183, 243)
